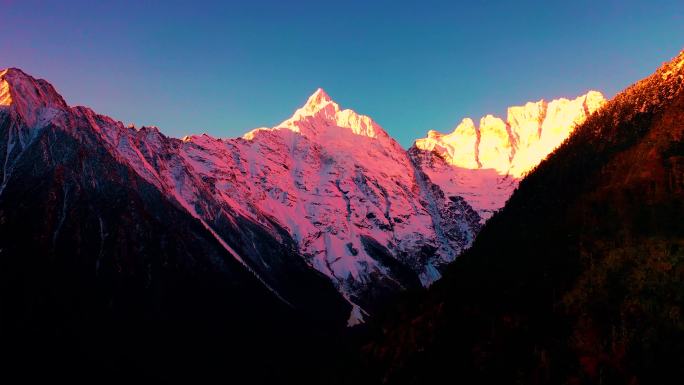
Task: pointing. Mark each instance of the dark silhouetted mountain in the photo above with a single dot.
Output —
(579, 279)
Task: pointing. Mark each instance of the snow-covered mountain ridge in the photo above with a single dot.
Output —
(484, 163)
(358, 208)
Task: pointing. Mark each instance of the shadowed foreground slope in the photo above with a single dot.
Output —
(579, 279)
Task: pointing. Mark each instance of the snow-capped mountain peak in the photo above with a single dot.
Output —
(347, 193)
(319, 105)
(31, 104)
(30, 98)
(321, 117)
(16, 87)
(484, 163)
(318, 100)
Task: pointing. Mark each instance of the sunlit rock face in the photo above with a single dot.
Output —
(347, 193)
(495, 148)
(483, 164)
(39, 102)
(459, 148)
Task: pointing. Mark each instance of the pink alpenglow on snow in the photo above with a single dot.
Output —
(341, 186)
(358, 208)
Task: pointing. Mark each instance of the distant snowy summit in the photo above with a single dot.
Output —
(328, 183)
(484, 163)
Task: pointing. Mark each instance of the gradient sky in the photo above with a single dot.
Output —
(226, 67)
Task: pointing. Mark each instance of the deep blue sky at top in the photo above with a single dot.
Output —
(224, 67)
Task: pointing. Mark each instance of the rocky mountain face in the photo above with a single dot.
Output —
(329, 186)
(346, 193)
(578, 280)
(358, 208)
(484, 163)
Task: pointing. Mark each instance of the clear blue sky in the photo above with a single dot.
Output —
(226, 67)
